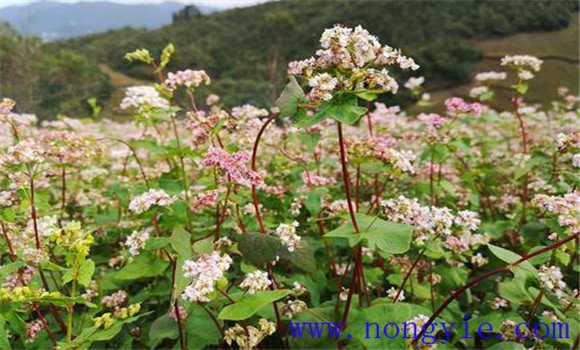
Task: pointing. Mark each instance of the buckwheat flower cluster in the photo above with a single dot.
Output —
(188, 78)
(522, 61)
(383, 150)
(206, 271)
(392, 294)
(349, 59)
(207, 199)
(114, 301)
(293, 307)
(248, 111)
(256, 281)
(250, 339)
(137, 240)
(508, 331)
(322, 87)
(565, 142)
(33, 256)
(24, 152)
(456, 105)
(142, 97)
(153, 197)
(212, 99)
(182, 313)
(234, 165)
(288, 236)
(413, 327)
(478, 91)
(32, 330)
(414, 83)
(8, 198)
(434, 221)
(348, 48)
(566, 208)
(490, 76)
(551, 279)
(478, 260)
(200, 124)
(499, 303)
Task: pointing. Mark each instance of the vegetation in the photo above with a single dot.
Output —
(198, 226)
(247, 48)
(48, 81)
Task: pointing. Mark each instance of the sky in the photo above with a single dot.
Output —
(221, 4)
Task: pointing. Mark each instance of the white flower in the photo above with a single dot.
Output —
(188, 78)
(414, 82)
(256, 281)
(551, 279)
(136, 241)
(532, 62)
(478, 260)
(206, 271)
(576, 160)
(145, 201)
(141, 97)
(392, 294)
(525, 75)
(487, 76)
(293, 307)
(288, 236)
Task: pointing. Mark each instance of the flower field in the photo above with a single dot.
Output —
(197, 226)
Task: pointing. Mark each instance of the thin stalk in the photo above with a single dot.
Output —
(254, 190)
(525, 194)
(408, 274)
(183, 174)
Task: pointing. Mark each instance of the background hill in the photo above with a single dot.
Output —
(52, 20)
(246, 50)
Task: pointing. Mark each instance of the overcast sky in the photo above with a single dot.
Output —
(222, 4)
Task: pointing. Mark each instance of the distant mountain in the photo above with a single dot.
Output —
(53, 20)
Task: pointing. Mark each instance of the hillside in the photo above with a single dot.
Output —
(558, 49)
(56, 20)
(249, 48)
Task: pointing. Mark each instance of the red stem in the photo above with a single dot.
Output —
(254, 154)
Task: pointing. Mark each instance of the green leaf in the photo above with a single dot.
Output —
(303, 120)
(289, 98)
(259, 249)
(440, 153)
(511, 257)
(250, 304)
(313, 201)
(144, 265)
(346, 114)
(154, 243)
(85, 273)
(201, 330)
(9, 268)
(162, 328)
(389, 237)
(166, 56)
(180, 242)
(367, 96)
(507, 345)
(397, 313)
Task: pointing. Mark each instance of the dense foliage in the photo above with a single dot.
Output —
(46, 81)
(213, 227)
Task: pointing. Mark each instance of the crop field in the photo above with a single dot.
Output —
(187, 224)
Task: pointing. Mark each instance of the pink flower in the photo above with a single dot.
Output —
(234, 165)
(456, 105)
